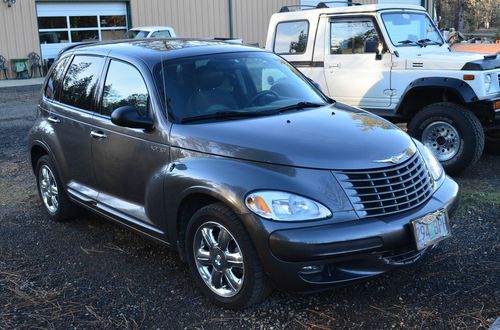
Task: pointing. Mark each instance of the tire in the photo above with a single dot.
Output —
(56, 202)
(452, 132)
(253, 283)
(492, 145)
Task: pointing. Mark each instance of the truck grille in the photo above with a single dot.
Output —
(388, 190)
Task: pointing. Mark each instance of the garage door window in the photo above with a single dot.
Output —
(63, 29)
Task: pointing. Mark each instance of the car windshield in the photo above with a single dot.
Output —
(234, 85)
(135, 34)
(411, 29)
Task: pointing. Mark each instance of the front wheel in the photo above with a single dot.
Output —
(223, 260)
(452, 132)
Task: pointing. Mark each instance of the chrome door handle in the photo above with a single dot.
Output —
(97, 135)
(54, 120)
(334, 65)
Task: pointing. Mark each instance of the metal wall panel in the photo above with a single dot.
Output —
(18, 30)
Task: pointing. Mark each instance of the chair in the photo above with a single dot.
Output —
(3, 67)
(34, 59)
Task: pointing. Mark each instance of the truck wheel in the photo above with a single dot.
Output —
(223, 260)
(452, 132)
(492, 145)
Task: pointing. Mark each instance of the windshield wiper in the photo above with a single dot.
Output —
(224, 114)
(428, 41)
(299, 105)
(410, 42)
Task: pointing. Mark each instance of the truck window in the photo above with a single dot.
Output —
(356, 36)
(291, 37)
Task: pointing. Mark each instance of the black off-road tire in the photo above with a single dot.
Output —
(256, 286)
(470, 131)
(66, 209)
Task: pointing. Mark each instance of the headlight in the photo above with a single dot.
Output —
(487, 82)
(282, 206)
(433, 164)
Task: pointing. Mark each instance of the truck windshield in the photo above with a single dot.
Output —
(234, 85)
(411, 29)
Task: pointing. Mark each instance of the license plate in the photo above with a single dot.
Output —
(430, 229)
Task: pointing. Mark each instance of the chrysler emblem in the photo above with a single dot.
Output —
(396, 159)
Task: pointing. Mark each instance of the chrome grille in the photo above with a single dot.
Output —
(388, 190)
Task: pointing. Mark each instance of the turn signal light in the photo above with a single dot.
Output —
(496, 105)
(469, 77)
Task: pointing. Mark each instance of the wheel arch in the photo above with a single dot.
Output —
(37, 150)
(425, 91)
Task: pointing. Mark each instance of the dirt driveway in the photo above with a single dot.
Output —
(92, 273)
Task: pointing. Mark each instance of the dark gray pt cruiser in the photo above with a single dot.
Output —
(232, 157)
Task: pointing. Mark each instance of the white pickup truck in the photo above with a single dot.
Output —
(393, 61)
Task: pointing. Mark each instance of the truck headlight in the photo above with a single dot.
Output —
(432, 163)
(283, 206)
(487, 82)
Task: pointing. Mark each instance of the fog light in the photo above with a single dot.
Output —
(311, 269)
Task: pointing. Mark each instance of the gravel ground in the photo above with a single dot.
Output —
(92, 273)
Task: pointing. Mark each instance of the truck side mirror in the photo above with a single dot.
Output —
(379, 52)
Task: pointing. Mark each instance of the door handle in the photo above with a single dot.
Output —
(334, 65)
(97, 134)
(54, 120)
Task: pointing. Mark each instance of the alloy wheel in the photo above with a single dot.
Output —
(219, 259)
(48, 189)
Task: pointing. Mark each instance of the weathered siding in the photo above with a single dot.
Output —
(18, 30)
(189, 18)
(209, 18)
(251, 18)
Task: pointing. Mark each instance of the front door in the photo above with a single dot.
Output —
(128, 161)
(354, 73)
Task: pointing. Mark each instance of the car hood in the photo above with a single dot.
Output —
(442, 61)
(330, 137)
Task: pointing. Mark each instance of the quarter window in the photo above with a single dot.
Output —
(124, 86)
(161, 34)
(80, 83)
(353, 37)
(291, 37)
(55, 79)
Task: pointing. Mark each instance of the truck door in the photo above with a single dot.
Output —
(354, 73)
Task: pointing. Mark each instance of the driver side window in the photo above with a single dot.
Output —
(124, 86)
(353, 36)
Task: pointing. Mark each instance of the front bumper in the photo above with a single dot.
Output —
(346, 251)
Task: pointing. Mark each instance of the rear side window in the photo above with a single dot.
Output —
(161, 34)
(356, 36)
(55, 78)
(291, 37)
(80, 83)
(124, 86)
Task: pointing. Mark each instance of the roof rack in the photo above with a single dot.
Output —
(323, 4)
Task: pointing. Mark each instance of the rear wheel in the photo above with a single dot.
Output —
(453, 133)
(51, 191)
(223, 260)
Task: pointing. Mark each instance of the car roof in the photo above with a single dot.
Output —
(296, 14)
(153, 50)
(152, 28)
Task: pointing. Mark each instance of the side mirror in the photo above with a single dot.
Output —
(379, 52)
(128, 116)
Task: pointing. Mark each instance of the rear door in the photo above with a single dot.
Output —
(353, 72)
(71, 117)
(128, 161)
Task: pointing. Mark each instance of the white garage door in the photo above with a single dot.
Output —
(61, 24)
